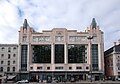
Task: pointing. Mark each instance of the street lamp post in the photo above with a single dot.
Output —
(90, 38)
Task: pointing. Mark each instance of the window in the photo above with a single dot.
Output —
(2, 62)
(8, 68)
(9, 49)
(118, 68)
(14, 48)
(87, 67)
(40, 55)
(31, 68)
(59, 53)
(8, 56)
(76, 53)
(39, 67)
(95, 57)
(24, 38)
(14, 62)
(59, 67)
(2, 48)
(78, 67)
(24, 50)
(48, 68)
(13, 68)
(1, 69)
(70, 68)
(14, 55)
(8, 62)
(2, 55)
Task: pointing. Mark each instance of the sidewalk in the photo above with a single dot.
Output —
(83, 82)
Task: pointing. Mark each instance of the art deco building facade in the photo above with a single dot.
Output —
(61, 53)
(112, 62)
(8, 61)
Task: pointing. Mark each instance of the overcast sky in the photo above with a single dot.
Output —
(70, 14)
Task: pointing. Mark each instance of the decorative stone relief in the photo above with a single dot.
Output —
(41, 38)
(59, 38)
(77, 38)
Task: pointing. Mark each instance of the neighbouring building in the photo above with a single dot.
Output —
(61, 53)
(8, 61)
(112, 61)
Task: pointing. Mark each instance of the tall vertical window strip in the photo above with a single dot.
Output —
(1, 69)
(41, 54)
(95, 57)
(76, 53)
(59, 53)
(24, 57)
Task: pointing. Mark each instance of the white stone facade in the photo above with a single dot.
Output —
(112, 62)
(8, 58)
(29, 37)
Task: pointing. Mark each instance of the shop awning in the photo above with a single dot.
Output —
(11, 77)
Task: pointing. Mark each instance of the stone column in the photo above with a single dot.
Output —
(19, 58)
(52, 53)
(28, 56)
(52, 57)
(65, 53)
(99, 57)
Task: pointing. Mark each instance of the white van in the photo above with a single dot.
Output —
(118, 78)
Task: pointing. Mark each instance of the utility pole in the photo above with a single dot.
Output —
(90, 38)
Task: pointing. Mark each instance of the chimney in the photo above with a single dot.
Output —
(114, 43)
(119, 41)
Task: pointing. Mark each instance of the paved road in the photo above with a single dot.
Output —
(81, 82)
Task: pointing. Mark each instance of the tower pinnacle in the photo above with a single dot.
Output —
(25, 24)
(94, 24)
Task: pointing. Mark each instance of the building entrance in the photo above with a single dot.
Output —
(57, 76)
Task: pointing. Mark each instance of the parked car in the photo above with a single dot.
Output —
(118, 79)
(23, 81)
(72, 79)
